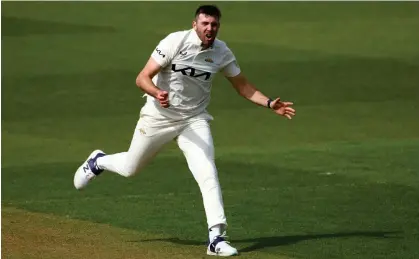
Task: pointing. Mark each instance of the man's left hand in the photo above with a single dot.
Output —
(283, 108)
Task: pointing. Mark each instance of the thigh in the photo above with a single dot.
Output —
(147, 140)
(196, 142)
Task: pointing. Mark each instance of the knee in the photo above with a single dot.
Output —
(209, 183)
(129, 171)
(128, 174)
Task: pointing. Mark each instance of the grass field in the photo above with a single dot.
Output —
(340, 181)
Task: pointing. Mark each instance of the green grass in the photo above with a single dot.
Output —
(338, 181)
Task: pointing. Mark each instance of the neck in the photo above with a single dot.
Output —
(206, 46)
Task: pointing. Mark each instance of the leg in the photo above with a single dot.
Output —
(197, 145)
(145, 144)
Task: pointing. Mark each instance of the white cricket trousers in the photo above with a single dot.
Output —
(194, 139)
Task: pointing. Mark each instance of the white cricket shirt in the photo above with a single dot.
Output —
(187, 74)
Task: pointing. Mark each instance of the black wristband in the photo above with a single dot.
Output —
(268, 103)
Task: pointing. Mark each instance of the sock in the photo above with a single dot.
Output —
(215, 231)
(98, 164)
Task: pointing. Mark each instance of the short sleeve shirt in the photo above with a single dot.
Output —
(188, 71)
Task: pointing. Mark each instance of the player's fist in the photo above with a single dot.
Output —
(163, 98)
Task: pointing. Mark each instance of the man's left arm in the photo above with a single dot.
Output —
(250, 92)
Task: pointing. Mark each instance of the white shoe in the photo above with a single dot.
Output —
(220, 247)
(88, 170)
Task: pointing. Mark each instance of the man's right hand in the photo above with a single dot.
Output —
(163, 98)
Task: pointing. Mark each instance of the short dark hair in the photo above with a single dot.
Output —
(210, 10)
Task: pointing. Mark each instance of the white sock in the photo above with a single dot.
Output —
(215, 231)
(98, 165)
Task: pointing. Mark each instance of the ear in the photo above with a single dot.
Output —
(194, 24)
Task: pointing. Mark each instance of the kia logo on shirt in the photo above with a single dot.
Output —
(190, 71)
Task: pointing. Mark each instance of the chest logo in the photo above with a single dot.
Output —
(209, 60)
(190, 71)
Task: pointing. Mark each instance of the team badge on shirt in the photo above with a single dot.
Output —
(209, 60)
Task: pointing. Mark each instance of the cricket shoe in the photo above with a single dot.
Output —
(220, 247)
(88, 170)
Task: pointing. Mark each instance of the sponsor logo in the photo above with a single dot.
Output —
(86, 168)
(209, 60)
(160, 53)
(192, 72)
(183, 53)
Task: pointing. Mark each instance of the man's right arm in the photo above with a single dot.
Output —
(144, 78)
(160, 58)
(145, 83)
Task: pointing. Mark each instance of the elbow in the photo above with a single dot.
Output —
(240, 90)
(242, 93)
(140, 79)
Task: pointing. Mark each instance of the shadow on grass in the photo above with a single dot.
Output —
(274, 241)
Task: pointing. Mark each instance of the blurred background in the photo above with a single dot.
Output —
(338, 181)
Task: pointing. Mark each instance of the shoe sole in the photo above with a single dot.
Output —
(220, 254)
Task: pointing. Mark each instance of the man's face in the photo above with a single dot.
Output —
(207, 28)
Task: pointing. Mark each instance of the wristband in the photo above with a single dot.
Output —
(268, 103)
